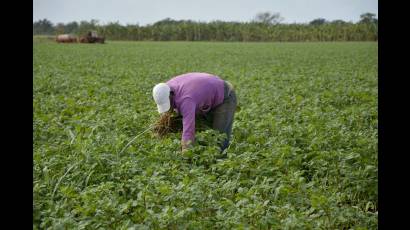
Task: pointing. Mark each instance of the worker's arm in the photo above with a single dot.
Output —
(188, 108)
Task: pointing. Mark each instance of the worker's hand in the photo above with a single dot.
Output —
(185, 145)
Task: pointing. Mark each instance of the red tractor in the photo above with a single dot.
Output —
(92, 37)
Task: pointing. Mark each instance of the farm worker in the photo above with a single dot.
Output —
(194, 94)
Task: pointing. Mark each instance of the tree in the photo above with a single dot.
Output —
(338, 22)
(60, 28)
(268, 18)
(318, 22)
(368, 18)
(71, 27)
(44, 27)
(265, 27)
(85, 26)
(166, 21)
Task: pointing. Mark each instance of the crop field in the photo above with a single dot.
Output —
(303, 153)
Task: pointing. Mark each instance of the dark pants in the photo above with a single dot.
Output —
(223, 115)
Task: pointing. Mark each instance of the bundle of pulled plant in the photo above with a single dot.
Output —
(168, 122)
(171, 122)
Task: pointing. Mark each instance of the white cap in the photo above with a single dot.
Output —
(161, 97)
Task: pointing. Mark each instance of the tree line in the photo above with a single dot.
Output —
(264, 27)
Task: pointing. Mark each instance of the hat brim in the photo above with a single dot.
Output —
(164, 107)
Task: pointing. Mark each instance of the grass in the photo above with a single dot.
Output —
(303, 153)
(43, 38)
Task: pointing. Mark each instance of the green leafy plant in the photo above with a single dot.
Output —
(303, 153)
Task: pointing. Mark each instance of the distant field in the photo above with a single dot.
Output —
(43, 38)
(303, 154)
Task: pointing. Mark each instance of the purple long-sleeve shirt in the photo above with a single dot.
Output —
(195, 93)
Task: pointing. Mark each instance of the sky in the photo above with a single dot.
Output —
(145, 12)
